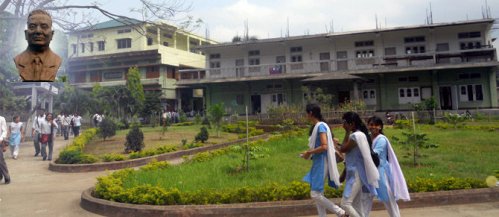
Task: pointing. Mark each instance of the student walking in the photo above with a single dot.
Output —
(66, 121)
(36, 131)
(392, 185)
(16, 136)
(76, 124)
(48, 129)
(322, 153)
(361, 172)
(4, 172)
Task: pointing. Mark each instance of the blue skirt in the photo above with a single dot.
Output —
(15, 139)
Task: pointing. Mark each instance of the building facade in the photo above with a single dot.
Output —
(388, 69)
(104, 52)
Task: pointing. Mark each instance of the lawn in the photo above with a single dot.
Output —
(154, 139)
(461, 153)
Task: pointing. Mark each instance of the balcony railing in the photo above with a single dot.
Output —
(379, 62)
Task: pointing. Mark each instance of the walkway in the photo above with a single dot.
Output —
(36, 191)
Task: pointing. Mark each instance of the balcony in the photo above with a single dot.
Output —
(148, 81)
(357, 65)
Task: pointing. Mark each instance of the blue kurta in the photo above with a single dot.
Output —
(381, 148)
(354, 163)
(317, 174)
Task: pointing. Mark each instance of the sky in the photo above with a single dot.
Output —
(269, 18)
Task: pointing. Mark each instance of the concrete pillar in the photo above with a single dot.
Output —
(435, 88)
(34, 96)
(158, 35)
(355, 90)
(51, 102)
(493, 87)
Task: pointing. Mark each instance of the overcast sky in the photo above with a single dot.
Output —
(268, 18)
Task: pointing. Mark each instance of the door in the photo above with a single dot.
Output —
(239, 68)
(266, 102)
(446, 98)
(256, 104)
(343, 97)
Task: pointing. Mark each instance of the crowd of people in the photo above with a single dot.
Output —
(363, 146)
(44, 130)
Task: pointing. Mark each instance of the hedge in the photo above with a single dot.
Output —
(73, 154)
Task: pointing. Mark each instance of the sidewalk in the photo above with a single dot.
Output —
(36, 191)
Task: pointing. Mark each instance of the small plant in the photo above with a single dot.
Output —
(414, 142)
(455, 119)
(197, 119)
(202, 135)
(206, 122)
(134, 140)
(288, 124)
(107, 129)
(184, 142)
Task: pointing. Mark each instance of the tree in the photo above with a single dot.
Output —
(133, 84)
(152, 105)
(217, 112)
(134, 140)
(202, 135)
(107, 128)
(414, 142)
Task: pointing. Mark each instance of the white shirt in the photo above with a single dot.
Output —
(45, 126)
(15, 127)
(66, 121)
(36, 123)
(77, 121)
(3, 128)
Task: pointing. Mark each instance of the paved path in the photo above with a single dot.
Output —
(36, 191)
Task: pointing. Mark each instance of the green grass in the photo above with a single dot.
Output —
(461, 154)
(154, 139)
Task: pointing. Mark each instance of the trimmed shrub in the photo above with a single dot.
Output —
(112, 157)
(107, 128)
(73, 154)
(202, 135)
(134, 140)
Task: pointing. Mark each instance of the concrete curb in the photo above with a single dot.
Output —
(275, 209)
(77, 168)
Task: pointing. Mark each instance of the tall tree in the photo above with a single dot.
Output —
(152, 105)
(217, 112)
(136, 89)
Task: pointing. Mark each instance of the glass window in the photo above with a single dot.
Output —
(409, 93)
(416, 92)
(401, 93)
(478, 92)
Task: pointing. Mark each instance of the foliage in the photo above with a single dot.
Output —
(155, 165)
(152, 105)
(112, 157)
(197, 119)
(202, 135)
(216, 112)
(288, 124)
(353, 105)
(136, 101)
(282, 112)
(414, 142)
(324, 100)
(444, 184)
(240, 128)
(206, 122)
(134, 140)
(402, 124)
(186, 123)
(455, 119)
(73, 153)
(107, 128)
(182, 117)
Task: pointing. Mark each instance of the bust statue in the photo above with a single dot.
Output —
(38, 62)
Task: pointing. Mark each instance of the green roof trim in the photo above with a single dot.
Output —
(112, 24)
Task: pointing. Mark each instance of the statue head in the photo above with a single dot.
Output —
(39, 32)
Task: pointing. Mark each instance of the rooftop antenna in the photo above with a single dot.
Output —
(431, 15)
(376, 20)
(246, 30)
(332, 26)
(287, 29)
(487, 10)
(207, 32)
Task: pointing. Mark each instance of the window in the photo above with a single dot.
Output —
(254, 61)
(214, 64)
(465, 76)
(471, 92)
(415, 49)
(296, 58)
(165, 44)
(124, 43)
(215, 56)
(121, 31)
(463, 35)
(168, 35)
(364, 43)
(82, 47)
(89, 35)
(101, 45)
(341, 54)
(149, 41)
(414, 39)
(113, 75)
(324, 56)
(442, 47)
(470, 45)
(91, 46)
(389, 51)
(413, 78)
(409, 95)
(296, 49)
(364, 53)
(75, 49)
(369, 96)
(253, 53)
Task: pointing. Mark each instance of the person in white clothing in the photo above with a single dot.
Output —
(16, 136)
(4, 172)
(48, 129)
(35, 132)
(65, 126)
(76, 124)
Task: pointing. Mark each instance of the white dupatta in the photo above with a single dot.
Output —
(371, 170)
(332, 168)
(399, 187)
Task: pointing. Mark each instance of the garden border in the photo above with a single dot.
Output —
(77, 168)
(275, 209)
